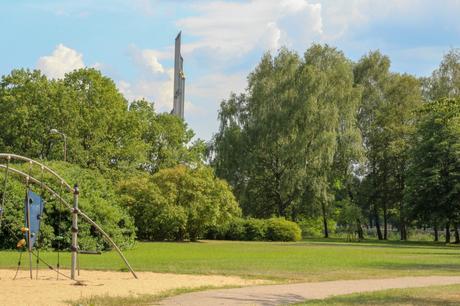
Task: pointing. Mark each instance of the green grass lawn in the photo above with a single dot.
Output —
(312, 260)
(432, 296)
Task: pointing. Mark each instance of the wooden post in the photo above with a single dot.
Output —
(29, 236)
(74, 247)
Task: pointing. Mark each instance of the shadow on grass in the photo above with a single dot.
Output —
(384, 300)
(453, 253)
(377, 243)
(418, 266)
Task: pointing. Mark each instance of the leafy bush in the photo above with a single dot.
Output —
(280, 229)
(235, 230)
(178, 203)
(274, 229)
(255, 229)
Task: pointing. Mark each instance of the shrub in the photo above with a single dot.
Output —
(279, 229)
(235, 230)
(178, 203)
(275, 229)
(215, 232)
(255, 229)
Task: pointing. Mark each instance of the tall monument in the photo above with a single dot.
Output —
(179, 80)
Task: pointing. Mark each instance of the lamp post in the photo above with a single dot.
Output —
(54, 131)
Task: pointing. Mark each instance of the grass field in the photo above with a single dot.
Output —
(433, 296)
(313, 260)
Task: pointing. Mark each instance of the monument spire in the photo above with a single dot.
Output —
(179, 80)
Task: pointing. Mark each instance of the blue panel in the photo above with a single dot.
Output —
(34, 204)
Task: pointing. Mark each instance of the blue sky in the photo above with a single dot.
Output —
(132, 41)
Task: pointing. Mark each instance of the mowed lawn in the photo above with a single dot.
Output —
(315, 260)
(432, 296)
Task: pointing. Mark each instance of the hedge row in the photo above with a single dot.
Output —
(274, 229)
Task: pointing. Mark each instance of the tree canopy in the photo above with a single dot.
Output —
(280, 143)
(103, 131)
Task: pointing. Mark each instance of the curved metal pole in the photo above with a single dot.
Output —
(109, 239)
(35, 181)
(19, 157)
(5, 184)
(70, 208)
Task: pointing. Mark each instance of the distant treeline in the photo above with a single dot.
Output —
(319, 136)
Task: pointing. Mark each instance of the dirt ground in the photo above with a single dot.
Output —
(47, 290)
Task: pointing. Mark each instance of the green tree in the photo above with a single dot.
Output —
(85, 105)
(338, 101)
(444, 81)
(278, 143)
(102, 131)
(386, 120)
(434, 175)
(167, 139)
(349, 218)
(26, 99)
(103, 135)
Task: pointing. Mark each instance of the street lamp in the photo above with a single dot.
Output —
(54, 131)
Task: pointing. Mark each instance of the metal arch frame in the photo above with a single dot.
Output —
(33, 180)
(10, 157)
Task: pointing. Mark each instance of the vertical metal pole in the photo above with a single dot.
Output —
(29, 237)
(74, 247)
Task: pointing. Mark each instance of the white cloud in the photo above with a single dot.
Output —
(158, 91)
(151, 61)
(272, 36)
(148, 59)
(236, 28)
(62, 60)
(155, 83)
(342, 17)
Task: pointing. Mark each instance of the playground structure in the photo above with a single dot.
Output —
(33, 208)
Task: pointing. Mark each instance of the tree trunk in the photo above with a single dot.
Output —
(447, 232)
(326, 231)
(377, 224)
(457, 235)
(360, 230)
(385, 190)
(385, 221)
(403, 231)
(436, 234)
(402, 221)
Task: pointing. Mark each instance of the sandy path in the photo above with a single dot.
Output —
(49, 291)
(292, 293)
